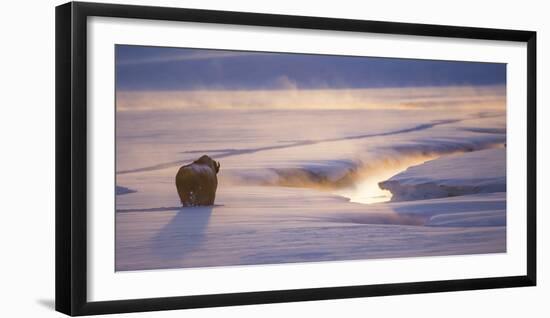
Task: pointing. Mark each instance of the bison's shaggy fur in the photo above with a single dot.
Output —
(197, 182)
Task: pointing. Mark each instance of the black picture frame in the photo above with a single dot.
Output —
(71, 157)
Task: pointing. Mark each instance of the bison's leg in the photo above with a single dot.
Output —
(208, 193)
(184, 194)
(186, 186)
(206, 198)
(212, 195)
(212, 198)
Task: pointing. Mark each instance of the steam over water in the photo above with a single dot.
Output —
(346, 160)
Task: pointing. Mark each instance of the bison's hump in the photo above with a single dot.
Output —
(197, 168)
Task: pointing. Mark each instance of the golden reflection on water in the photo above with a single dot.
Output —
(367, 191)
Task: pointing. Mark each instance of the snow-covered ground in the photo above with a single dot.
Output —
(290, 192)
(481, 171)
(261, 225)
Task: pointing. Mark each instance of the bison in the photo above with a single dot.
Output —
(197, 182)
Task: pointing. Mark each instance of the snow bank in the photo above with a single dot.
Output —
(475, 210)
(481, 171)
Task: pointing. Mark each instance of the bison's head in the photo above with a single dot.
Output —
(206, 160)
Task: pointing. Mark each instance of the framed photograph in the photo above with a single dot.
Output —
(208, 158)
